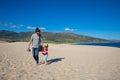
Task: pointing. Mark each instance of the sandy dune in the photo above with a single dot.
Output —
(66, 62)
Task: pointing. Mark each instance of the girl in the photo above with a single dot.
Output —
(45, 53)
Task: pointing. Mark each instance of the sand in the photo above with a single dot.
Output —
(66, 62)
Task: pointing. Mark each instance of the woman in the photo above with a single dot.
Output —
(36, 42)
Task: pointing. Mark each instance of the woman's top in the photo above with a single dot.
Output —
(36, 40)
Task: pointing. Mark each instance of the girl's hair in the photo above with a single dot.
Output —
(46, 46)
(37, 30)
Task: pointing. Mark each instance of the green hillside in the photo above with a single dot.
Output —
(50, 37)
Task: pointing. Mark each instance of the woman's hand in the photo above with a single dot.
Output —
(28, 49)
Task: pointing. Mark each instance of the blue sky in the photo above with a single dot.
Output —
(97, 18)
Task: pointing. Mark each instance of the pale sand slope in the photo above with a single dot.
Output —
(67, 62)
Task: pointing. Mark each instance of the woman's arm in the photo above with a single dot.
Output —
(30, 43)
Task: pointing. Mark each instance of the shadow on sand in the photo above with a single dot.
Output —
(55, 60)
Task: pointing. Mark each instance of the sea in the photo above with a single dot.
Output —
(108, 44)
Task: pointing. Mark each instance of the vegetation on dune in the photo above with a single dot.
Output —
(48, 37)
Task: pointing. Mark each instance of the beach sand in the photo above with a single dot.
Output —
(66, 62)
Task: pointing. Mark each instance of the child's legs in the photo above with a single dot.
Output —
(45, 58)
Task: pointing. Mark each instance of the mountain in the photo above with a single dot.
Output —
(64, 37)
(69, 38)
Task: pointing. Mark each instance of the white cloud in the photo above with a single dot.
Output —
(42, 28)
(16, 26)
(69, 29)
(30, 27)
(20, 25)
(11, 25)
(3, 24)
(33, 28)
